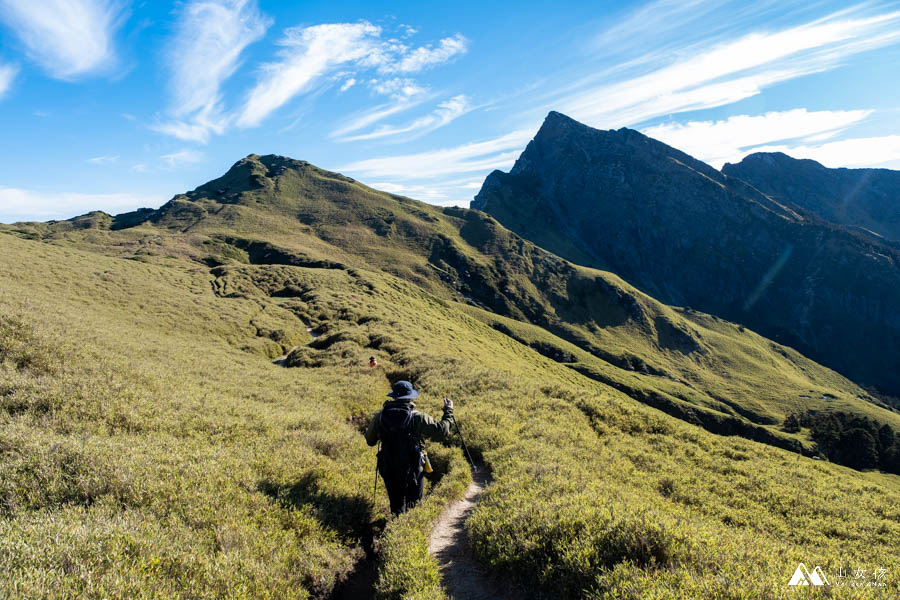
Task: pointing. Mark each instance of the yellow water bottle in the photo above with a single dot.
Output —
(428, 468)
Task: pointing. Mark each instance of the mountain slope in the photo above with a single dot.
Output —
(864, 198)
(690, 236)
(149, 447)
(272, 210)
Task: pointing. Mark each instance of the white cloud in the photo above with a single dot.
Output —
(396, 87)
(375, 114)
(214, 33)
(103, 160)
(182, 157)
(169, 162)
(309, 53)
(445, 113)
(199, 130)
(853, 152)
(497, 153)
(444, 192)
(425, 57)
(419, 192)
(7, 74)
(405, 94)
(718, 142)
(28, 205)
(205, 52)
(730, 71)
(68, 38)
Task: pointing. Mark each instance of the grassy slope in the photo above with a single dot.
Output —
(676, 359)
(162, 456)
(145, 454)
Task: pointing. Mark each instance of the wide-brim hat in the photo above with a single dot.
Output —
(403, 390)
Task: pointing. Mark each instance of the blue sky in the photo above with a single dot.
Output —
(113, 105)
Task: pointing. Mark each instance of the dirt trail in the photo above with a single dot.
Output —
(462, 577)
(282, 359)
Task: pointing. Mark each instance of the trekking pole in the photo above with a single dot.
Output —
(375, 487)
(461, 439)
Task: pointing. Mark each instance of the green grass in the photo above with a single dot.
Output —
(150, 448)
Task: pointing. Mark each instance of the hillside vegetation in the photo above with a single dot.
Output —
(150, 447)
(276, 211)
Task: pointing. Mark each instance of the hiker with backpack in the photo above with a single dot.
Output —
(401, 429)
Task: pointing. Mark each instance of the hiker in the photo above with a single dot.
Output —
(401, 459)
(372, 362)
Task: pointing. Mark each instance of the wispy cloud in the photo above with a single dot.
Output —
(182, 157)
(103, 160)
(851, 152)
(496, 153)
(375, 114)
(213, 34)
(425, 57)
(19, 204)
(169, 162)
(426, 193)
(68, 38)
(405, 94)
(728, 140)
(7, 74)
(205, 52)
(451, 192)
(308, 54)
(400, 88)
(445, 113)
(731, 71)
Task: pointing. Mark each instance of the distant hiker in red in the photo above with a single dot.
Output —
(401, 459)
(372, 362)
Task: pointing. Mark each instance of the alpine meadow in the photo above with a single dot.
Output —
(154, 445)
(449, 301)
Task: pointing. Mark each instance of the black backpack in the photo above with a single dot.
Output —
(400, 448)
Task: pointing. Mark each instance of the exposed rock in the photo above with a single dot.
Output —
(692, 236)
(864, 198)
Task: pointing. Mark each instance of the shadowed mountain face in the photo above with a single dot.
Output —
(692, 236)
(866, 198)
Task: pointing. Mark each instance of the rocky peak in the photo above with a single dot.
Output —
(690, 235)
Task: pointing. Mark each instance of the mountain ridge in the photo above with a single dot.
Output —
(692, 236)
(868, 199)
(155, 447)
(271, 210)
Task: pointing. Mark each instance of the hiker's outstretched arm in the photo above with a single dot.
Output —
(436, 430)
(372, 431)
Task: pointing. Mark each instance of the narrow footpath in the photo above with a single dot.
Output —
(462, 577)
(283, 358)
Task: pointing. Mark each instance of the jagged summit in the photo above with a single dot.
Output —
(584, 149)
(693, 236)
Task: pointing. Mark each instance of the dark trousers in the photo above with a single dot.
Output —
(404, 489)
